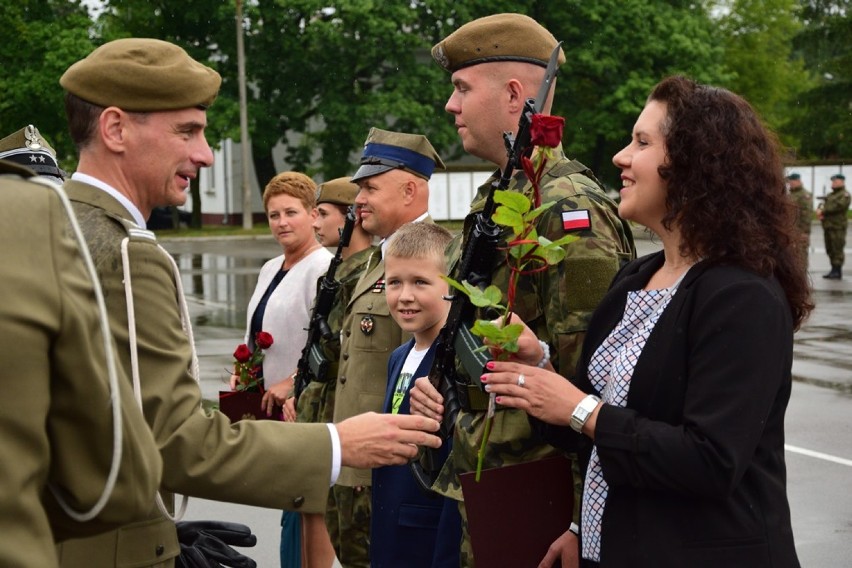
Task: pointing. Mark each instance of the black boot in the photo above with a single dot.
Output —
(834, 274)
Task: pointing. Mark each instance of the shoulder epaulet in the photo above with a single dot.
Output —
(134, 231)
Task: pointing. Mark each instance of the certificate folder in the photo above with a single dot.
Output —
(515, 512)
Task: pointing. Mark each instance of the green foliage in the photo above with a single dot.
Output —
(617, 50)
(41, 38)
(824, 125)
(758, 38)
(321, 73)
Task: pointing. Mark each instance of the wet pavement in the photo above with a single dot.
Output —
(219, 276)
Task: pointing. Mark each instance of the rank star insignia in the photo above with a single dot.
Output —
(367, 323)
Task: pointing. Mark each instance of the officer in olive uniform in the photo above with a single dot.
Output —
(28, 148)
(316, 403)
(394, 190)
(59, 374)
(805, 208)
(137, 111)
(556, 303)
(833, 214)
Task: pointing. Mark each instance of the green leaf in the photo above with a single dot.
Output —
(513, 200)
(458, 286)
(508, 217)
(487, 330)
(535, 213)
(567, 239)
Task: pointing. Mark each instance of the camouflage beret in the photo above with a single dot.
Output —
(384, 151)
(340, 191)
(142, 75)
(26, 147)
(500, 37)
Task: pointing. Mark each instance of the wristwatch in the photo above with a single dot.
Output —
(583, 411)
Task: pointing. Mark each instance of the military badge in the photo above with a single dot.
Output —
(32, 135)
(576, 220)
(367, 324)
(379, 286)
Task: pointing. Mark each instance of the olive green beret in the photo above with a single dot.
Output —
(142, 75)
(340, 191)
(500, 37)
(385, 150)
(26, 147)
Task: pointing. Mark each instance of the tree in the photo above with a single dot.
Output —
(617, 51)
(41, 39)
(825, 43)
(758, 37)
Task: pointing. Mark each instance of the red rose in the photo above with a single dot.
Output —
(546, 130)
(263, 340)
(243, 353)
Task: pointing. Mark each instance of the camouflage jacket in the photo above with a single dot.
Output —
(834, 209)
(804, 207)
(556, 303)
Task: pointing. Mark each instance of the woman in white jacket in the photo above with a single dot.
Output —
(287, 284)
(281, 306)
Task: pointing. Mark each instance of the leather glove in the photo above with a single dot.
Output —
(207, 544)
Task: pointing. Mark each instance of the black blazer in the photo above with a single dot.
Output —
(408, 526)
(695, 462)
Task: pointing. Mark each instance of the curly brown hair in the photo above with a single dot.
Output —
(726, 190)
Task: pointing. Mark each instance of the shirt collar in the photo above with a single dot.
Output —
(120, 197)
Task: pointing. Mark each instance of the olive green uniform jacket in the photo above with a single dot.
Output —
(556, 304)
(317, 401)
(263, 463)
(56, 426)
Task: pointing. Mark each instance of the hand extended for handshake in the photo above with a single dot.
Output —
(372, 440)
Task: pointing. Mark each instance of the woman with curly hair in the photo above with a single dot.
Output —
(677, 407)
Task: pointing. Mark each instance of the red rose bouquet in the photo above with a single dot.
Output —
(247, 363)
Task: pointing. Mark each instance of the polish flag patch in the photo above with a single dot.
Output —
(576, 220)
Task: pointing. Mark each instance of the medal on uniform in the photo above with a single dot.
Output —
(367, 323)
(379, 286)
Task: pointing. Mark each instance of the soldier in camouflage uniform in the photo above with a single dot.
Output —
(393, 190)
(805, 207)
(833, 214)
(497, 62)
(316, 403)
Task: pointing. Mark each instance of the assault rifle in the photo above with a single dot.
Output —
(455, 340)
(313, 364)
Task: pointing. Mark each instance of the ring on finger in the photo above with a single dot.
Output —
(521, 380)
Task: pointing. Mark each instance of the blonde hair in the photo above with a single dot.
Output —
(294, 184)
(420, 240)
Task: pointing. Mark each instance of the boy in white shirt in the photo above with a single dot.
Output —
(410, 527)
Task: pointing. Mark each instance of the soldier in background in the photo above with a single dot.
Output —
(60, 379)
(832, 212)
(28, 148)
(497, 62)
(805, 206)
(316, 403)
